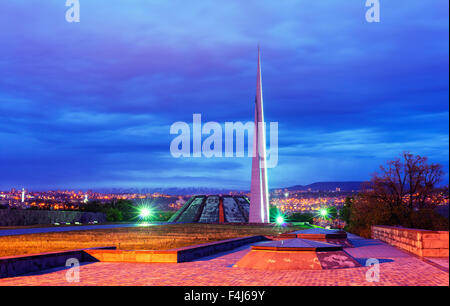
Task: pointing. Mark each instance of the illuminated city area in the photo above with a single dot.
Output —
(287, 201)
(76, 200)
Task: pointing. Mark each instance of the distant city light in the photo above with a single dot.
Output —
(323, 212)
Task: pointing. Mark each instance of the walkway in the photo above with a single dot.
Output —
(397, 268)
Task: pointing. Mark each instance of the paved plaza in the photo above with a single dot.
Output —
(396, 268)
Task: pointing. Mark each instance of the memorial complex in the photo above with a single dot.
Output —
(213, 209)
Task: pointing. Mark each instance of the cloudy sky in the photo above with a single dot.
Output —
(90, 104)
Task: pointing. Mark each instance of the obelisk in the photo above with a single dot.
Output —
(259, 195)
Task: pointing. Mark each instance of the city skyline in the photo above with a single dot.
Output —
(89, 105)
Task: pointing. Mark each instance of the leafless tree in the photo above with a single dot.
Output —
(410, 181)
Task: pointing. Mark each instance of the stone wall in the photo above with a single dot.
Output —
(420, 242)
(184, 254)
(17, 217)
(17, 265)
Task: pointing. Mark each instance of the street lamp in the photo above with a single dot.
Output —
(145, 213)
(279, 220)
(323, 212)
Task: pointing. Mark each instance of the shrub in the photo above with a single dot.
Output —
(301, 217)
(113, 214)
(162, 215)
(366, 212)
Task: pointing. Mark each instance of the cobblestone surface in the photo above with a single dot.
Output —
(443, 262)
(396, 268)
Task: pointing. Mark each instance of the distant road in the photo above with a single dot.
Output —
(54, 229)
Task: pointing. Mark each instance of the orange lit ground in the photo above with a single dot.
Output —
(396, 268)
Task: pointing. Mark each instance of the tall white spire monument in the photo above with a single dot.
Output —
(259, 193)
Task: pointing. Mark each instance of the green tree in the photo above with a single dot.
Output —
(92, 206)
(162, 215)
(301, 217)
(126, 207)
(332, 212)
(274, 212)
(113, 214)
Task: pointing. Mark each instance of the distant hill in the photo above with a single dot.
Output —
(319, 186)
(192, 191)
(168, 191)
(328, 186)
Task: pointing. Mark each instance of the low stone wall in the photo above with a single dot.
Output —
(206, 249)
(420, 242)
(18, 265)
(17, 217)
(177, 255)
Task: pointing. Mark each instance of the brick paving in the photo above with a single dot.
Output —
(397, 268)
(443, 262)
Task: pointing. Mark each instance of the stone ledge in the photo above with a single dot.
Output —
(17, 265)
(417, 241)
(177, 255)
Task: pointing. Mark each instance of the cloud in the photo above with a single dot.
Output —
(91, 103)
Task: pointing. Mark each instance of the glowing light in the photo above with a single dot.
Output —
(279, 220)
(145, 212)
(323, 212)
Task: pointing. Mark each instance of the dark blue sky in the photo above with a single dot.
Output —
(90, 104)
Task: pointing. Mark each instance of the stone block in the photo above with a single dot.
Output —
(170, 257)
(435, 244)
(443, 236)
(143, 257)
(431, 253)
(443, 252)
(112, 257)
(431, 236)
(129, 256)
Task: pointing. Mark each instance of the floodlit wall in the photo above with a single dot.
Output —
(420, 242)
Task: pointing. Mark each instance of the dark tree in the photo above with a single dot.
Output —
(345, 211)
(301, 217)
(409, 181)
(405, 192)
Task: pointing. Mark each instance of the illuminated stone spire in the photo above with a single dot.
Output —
(259, 195)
